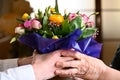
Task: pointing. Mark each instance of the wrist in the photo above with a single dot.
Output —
(38, 73)
(109, 74)
(104, 73)
(19, 61)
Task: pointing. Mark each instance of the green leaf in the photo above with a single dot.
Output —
(47, 11)
(39, 14)
(13, 39)
(20, 20)
(47, 34)
(45, 22)
(88, 32)
(65, 27)
(75, 24)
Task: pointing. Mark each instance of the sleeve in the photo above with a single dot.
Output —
(8, 63)
(116, 60)
(19, 73)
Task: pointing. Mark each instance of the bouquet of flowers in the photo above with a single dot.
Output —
(50, 31)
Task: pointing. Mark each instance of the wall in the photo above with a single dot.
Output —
(111, 19)
(9, 11)
(5, 8)
(84, 6)
(4, 46)
(110, 28)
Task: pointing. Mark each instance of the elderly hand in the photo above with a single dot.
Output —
(25, 60)
(82, 66)
(44, 64)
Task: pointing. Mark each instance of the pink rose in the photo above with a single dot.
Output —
(72, 16)
(33, 23)
(36, 24)
(27, 24)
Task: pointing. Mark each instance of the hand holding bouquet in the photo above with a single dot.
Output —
(50, 31)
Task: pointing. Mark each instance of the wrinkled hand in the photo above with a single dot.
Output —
(44, 64)
(82, 66)
(25, 60)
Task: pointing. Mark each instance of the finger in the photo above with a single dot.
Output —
(66, 72)
(34, 52)
(35, 55)
(57, 52)
(71, 53)
(64, 59)
(76, 78)
(68, 64)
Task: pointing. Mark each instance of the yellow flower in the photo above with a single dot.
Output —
(52, 10)
(56, 18)
(55, 37)
(25, 16)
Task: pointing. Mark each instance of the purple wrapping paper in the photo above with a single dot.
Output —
(86, 46)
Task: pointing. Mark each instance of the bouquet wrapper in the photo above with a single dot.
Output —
(86, 46)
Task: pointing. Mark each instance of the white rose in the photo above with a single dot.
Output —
(19, 30)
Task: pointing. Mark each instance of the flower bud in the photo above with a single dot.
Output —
(52, 10)
(55, 37)
(25, 16)
(89, 24)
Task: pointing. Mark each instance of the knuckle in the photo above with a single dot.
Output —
(77, 55)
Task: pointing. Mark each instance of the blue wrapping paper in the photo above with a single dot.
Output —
(86, 46)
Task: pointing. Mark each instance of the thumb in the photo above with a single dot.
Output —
(34, 56)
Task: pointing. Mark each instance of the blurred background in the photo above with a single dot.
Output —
(108, 23)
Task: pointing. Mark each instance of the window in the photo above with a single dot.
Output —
(111, 19)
